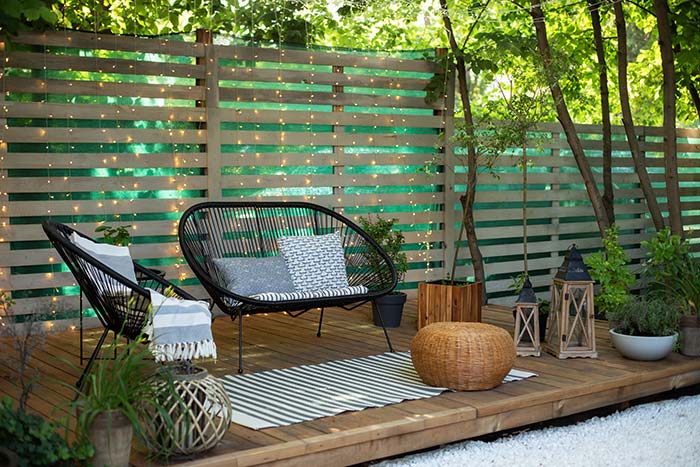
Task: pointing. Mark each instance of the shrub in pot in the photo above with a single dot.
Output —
(646, 328)
(117, 403)
(391, 240)
(670, 271)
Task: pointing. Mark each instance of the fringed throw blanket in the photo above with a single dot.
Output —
(180, 329)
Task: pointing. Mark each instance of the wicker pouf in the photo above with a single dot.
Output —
(463, 356)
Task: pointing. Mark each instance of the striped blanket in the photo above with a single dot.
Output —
(179, 329)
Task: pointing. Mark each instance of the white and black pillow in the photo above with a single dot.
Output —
(251, 276)
(112, 256)
(315, 262)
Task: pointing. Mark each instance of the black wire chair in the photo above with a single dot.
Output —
(213, 230)
(121, 305)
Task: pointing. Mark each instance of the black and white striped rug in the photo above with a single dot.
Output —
(292, 395)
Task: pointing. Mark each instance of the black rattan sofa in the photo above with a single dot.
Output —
(247, 231)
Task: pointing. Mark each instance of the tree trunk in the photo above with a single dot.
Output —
(470, 195)
(695, 96)
(627, 121)
(669, 128)
(524, 159)
(565, 119)
(608, 193)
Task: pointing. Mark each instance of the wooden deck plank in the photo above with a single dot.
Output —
(562, 388)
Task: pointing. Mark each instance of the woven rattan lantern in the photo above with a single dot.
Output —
(527, 327)
(571, 330)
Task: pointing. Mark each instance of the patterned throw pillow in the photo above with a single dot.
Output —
(315, 262)
(251, 276)
(114, 257)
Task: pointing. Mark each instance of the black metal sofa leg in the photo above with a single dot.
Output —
(320, 322)
(386, 334)
(240, 341)
(94, 355)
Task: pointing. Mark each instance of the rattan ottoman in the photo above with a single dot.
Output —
(463, 356)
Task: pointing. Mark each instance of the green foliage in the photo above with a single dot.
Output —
(671, 272)
(119, 236)
(390, 239)
(18, 15)
(133, 384)
(639, 316)
(609, 268)
(668, 258)
(36, 441)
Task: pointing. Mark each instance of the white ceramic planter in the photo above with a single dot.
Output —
(643, 347)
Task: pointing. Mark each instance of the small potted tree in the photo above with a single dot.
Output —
(646, 328)
(391, 240)
(669, 271)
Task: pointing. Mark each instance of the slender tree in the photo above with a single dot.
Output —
(627, 121)
(565, 118)
(467, 200)
(669, 127)
(608, 192)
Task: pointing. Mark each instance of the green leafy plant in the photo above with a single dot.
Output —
(390, 239)
(134, 385)
(609, 268)
(32, 438)
(118, 236)
(671, 272)
(640, 316)
(36, 441)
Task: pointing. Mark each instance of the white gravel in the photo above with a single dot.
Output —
(665, 433)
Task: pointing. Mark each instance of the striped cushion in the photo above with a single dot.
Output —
(308, 294)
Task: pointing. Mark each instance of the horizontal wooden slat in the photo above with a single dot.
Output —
(104, 135)
(51, 110)
(230, 94)
(67, 184)
(319, 78)
(41, 61)
(86, 40)
(315, 57)
(94, 88)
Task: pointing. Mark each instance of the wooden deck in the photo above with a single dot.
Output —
(563, 388)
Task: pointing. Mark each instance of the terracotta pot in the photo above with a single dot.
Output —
(111, 434)
(690, 335)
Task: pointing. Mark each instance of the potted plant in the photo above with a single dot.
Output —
(391, 240)
(646, 327)
(670, 271)
(609, 269)
(120, 236)
(118, 402)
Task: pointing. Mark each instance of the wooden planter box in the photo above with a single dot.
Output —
(458, 303)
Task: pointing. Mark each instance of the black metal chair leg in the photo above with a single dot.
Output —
(94, 355)
(320, 322)
(386, 334)
(240, 341)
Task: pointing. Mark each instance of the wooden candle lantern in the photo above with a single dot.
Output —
(571, 331)
(527, 329)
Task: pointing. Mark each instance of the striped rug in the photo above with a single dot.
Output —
(292, 395)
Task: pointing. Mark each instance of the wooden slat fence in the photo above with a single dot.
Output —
(131, 131)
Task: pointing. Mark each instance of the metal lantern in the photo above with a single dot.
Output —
(527, 328)
(571, 330)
